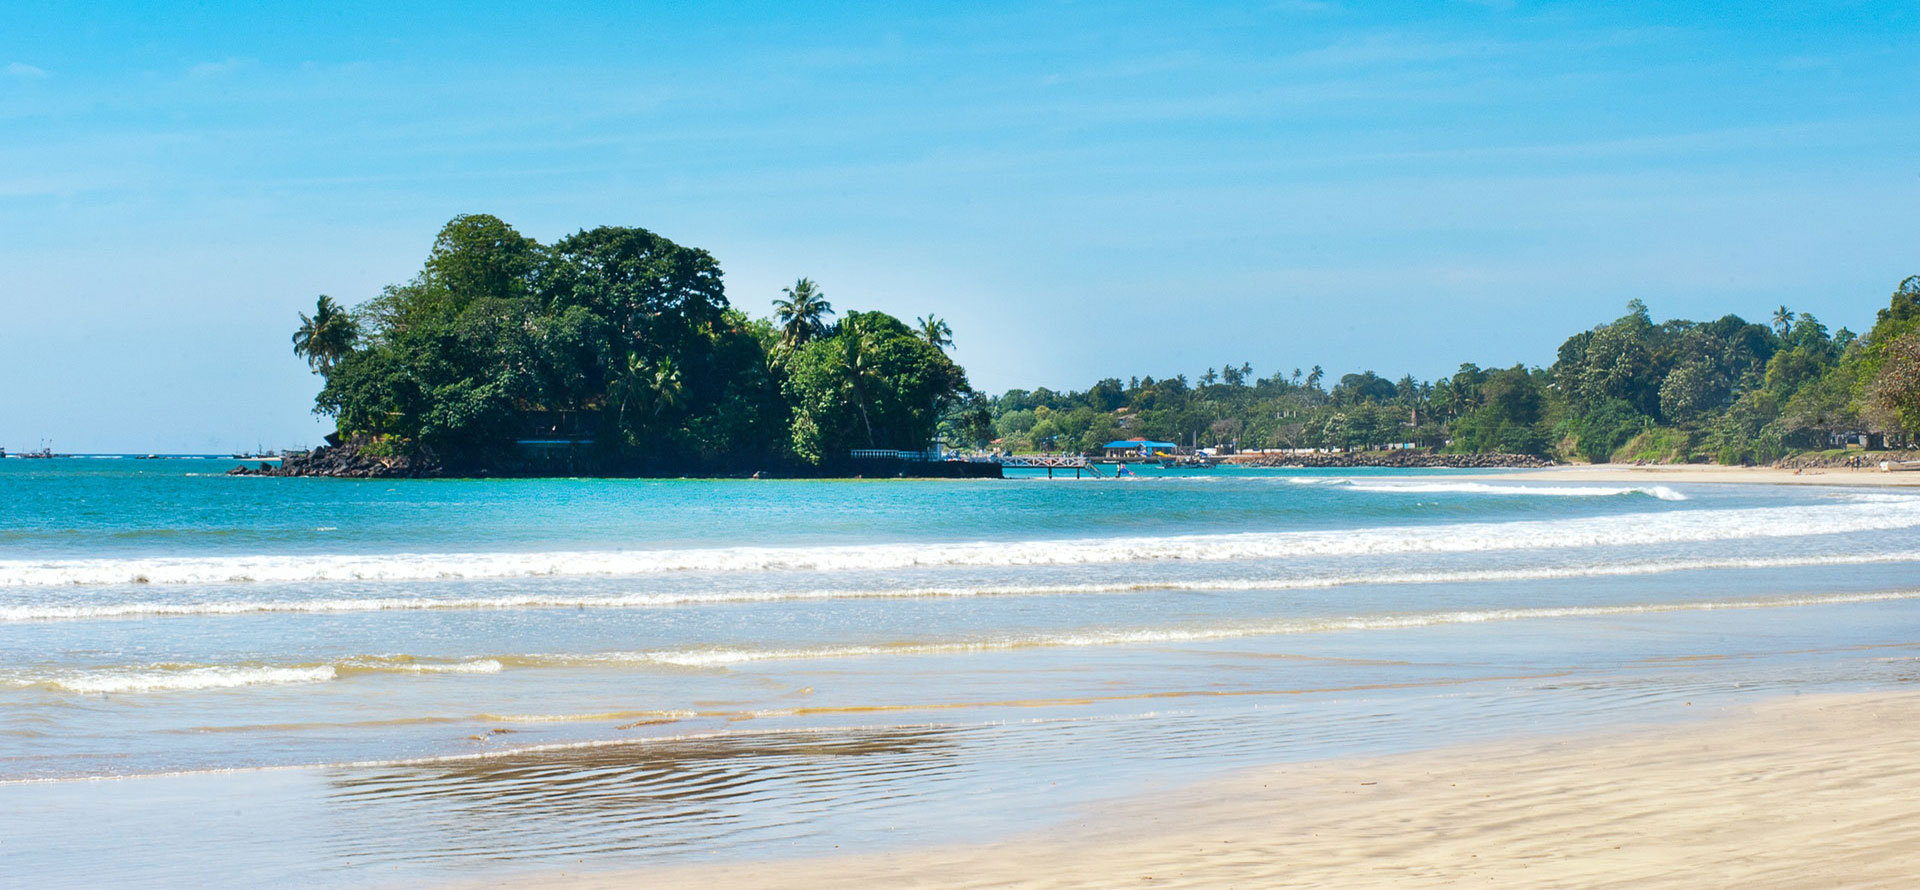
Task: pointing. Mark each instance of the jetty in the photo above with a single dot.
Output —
(1049, 462)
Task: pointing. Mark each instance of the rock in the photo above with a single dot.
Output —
(1407, 459)
(346, 462)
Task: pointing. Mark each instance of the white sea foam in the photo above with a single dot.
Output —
(1566, 491)
(1638, 529)
(186, 678)
(735, 596)
(164, 680)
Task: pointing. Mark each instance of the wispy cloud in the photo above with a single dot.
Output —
(22, 69)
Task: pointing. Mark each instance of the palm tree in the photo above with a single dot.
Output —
(802, 315)
(1782, 320)
(326, 337)
(665, 385)
(853, 357)
(1314, 376)
(935, 331)
(658, 383)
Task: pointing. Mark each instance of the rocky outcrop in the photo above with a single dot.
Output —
(1852, 460)
(1400, 459)
(346, 462)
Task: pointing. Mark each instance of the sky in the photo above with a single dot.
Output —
(1083, 190)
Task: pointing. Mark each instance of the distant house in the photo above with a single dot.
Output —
(1857, 439)
(1138, 448)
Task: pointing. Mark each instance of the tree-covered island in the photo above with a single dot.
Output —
(616, 351)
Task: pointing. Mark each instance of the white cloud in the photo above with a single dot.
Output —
(22, 69)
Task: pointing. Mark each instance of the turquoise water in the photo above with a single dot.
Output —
(356, 682)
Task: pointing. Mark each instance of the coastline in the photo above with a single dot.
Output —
(1789, 793)
(1714, 473)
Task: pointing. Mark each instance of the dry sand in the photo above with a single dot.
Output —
(1712, 473)
(1818, 791)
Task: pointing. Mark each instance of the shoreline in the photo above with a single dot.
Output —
(1714, 473)
(1788, 793)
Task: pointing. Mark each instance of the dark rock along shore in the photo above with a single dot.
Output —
(346, 462)
(1400, 459)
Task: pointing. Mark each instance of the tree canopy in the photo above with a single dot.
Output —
(1727, 390)
(619, 341)
(620, 338)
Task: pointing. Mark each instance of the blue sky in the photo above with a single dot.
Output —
(1083, 189)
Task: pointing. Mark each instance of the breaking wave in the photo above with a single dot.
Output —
(1639, 529)
(707, 597)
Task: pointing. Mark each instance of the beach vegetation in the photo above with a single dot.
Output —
(619, 347)
(1633, 389)
(620, 343)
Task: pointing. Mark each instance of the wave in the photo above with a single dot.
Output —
(723, 657)
(176, 678)
(1661, 492)
(718, 597)
(187, 678)
(1637, 529)
(180, 680)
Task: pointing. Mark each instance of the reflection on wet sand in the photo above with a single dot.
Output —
(657, 795)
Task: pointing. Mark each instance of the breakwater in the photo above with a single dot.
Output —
(1401, 459)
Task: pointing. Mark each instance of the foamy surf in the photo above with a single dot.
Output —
(181, 680)
(154, 608)
(1637, 529)
(1660, 492)
(191, 678)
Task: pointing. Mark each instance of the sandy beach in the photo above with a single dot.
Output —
(1659, 473)
(1816, 791)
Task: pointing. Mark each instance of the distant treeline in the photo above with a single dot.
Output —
(618, 347)
(1730, 391)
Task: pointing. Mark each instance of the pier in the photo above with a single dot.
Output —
(1077, 463)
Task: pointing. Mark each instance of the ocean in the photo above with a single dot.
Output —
(217, 681)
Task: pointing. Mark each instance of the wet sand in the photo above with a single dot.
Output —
(1712, 473)
(1815, 791)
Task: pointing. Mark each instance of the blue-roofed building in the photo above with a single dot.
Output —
(1138, 448)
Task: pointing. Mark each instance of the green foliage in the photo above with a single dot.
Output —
(623, 337)
(1662, 445)
(612, 335)
(1894, 398)
(1602, 429)
(873, 383)
(326, 337)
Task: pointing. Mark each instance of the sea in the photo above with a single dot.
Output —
(216, 681)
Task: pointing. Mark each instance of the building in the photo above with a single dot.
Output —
(1138, 448)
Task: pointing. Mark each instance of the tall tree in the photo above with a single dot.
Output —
(935, 331)
(325, 337)
(802, 313)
